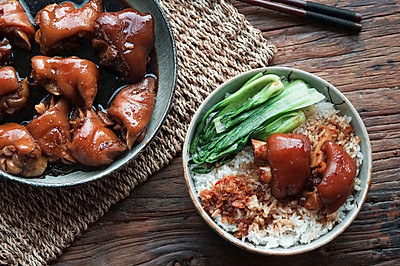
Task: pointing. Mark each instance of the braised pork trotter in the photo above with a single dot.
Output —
(124, 40)
(62, 25)
(73, 77)
(93, 144)
(14, 95)
(15, 24)
(133, 107)
(19, 152)
(51, 130)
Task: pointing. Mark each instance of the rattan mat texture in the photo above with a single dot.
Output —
(214, 43)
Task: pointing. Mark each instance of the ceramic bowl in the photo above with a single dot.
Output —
(167, 72)
(345, 107)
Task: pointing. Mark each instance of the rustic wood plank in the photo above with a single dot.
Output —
(364, 60)
(157, 223)
(156, 226)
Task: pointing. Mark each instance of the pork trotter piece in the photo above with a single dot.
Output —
(15, 24)
(337, 183)
(62, 25)
(19, 152)
(51, 129)
(133, 107)
(311, 200)
(14, 95)
(73, 77)
(93, 144)
(259, 150)
(5, 52)
(289, 158)
(124, 40)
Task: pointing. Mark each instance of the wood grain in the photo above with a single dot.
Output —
(158, 225)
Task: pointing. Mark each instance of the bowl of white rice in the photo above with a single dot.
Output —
(272, 226)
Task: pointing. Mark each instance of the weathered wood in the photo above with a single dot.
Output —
(157, 223)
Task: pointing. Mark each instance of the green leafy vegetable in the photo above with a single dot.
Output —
(284, 124)
(262, 106)
(232, 102)
(269, 91)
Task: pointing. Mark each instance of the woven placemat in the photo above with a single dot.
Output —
(214, 43)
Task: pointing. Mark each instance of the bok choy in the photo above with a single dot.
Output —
(262, 106)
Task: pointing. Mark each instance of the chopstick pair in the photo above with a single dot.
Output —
(341, 18)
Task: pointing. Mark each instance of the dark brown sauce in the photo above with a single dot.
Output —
(109, 84)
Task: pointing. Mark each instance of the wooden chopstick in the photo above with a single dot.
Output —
(323, 18)
(324, 9)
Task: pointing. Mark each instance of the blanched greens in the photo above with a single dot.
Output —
(262, 106)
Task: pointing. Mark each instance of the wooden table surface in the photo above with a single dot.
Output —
(158, 224)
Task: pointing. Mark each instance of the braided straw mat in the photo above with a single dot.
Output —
(214, 43)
